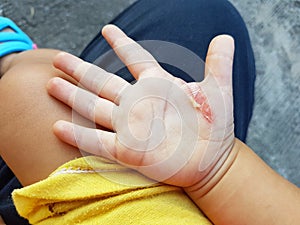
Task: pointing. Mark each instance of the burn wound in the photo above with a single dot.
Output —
(200, 102)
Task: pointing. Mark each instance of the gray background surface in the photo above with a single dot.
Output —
(274, 27)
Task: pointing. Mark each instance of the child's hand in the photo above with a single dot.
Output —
(169, 130)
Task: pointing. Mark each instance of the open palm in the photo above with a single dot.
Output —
(161, 126)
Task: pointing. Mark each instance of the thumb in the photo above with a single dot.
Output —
(218, 73)
(219, 60)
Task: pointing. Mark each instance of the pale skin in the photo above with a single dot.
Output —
(242, 190)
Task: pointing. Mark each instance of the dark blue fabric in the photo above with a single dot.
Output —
(189, 23)
(8, 182)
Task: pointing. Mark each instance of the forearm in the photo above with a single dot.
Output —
(250, 192)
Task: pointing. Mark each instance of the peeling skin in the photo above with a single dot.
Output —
(200, 102)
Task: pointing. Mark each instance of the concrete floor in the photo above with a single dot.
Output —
(274, 27)
(274, 133)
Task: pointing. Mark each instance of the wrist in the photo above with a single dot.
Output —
(200, 189)
(247, 191)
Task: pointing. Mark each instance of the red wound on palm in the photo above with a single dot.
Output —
(200, 102)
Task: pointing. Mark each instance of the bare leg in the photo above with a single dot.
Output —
(27, 114)
(1, 221)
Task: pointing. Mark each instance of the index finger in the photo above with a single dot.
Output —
(135, 57)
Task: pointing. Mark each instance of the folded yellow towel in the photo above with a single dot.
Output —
(92, 190)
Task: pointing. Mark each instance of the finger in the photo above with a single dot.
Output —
(94, 141)
(96, 109)
(219, 61)
(95, 79)
(218, 76)
(217, 84)
(139, 61)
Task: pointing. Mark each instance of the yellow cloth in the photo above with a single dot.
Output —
(92, 190)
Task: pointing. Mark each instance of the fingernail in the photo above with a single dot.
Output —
(61, 126)
(59, 56)
(53, 82)
(112, 31)
(67, 62)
